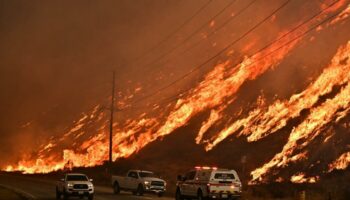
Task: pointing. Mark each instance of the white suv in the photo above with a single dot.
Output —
(75, 185)
(209, 182)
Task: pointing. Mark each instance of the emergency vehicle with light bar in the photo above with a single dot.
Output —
(209, 182)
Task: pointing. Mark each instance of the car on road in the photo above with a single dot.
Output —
(208, 182)
(139, 182)
(74, 184)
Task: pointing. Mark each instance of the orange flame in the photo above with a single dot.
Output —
(341, 163)
(260, 124)
(310, 128)
(300, 178)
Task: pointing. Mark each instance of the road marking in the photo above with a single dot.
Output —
(21, 192)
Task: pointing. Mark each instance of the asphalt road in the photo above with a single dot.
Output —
(45, 189)
(6, 194)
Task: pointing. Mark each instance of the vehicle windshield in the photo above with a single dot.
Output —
(224, 176)
(146, 174)
(76, 178)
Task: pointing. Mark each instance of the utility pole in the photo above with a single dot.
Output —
(111, 122)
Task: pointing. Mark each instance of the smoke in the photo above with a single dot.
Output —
(59, 55)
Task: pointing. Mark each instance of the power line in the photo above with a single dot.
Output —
(213, 32)
(174, 31)
(216, 29)
(298, 26)
(175, 97)
(214, 56)
(204, 25)
(161, 102)
(189, 36)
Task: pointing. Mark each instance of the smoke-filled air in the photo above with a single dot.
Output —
(266, 81)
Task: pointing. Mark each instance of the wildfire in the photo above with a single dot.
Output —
(300, 178)
(215, 93)
(341, 163)
(214, 116)
(260, 123)
(310, 128)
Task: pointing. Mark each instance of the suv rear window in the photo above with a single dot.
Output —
(224, 176)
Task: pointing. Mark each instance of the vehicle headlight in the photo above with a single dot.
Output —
(69, 184)
(147, 183)
(90, 185)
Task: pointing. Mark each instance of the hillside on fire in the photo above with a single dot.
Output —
(262, 88)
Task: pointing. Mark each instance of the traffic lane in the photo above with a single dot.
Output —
(125, 196)
(30, 188)
(42, 189)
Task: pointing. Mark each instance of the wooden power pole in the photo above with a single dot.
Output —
(111, 122)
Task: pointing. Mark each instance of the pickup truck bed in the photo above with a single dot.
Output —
(139, 182)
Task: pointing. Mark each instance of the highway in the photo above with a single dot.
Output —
(41, 189)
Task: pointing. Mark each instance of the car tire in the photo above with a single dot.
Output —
(139, 190)
(178, 195)
(116, 188)
(200, 195)
(58, 194)
(160, 194)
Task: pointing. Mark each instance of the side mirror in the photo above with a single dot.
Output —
(91, 180)
(179, 178)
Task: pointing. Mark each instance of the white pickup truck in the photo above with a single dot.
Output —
(209, 182)
(74, 184)
(139, 182)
